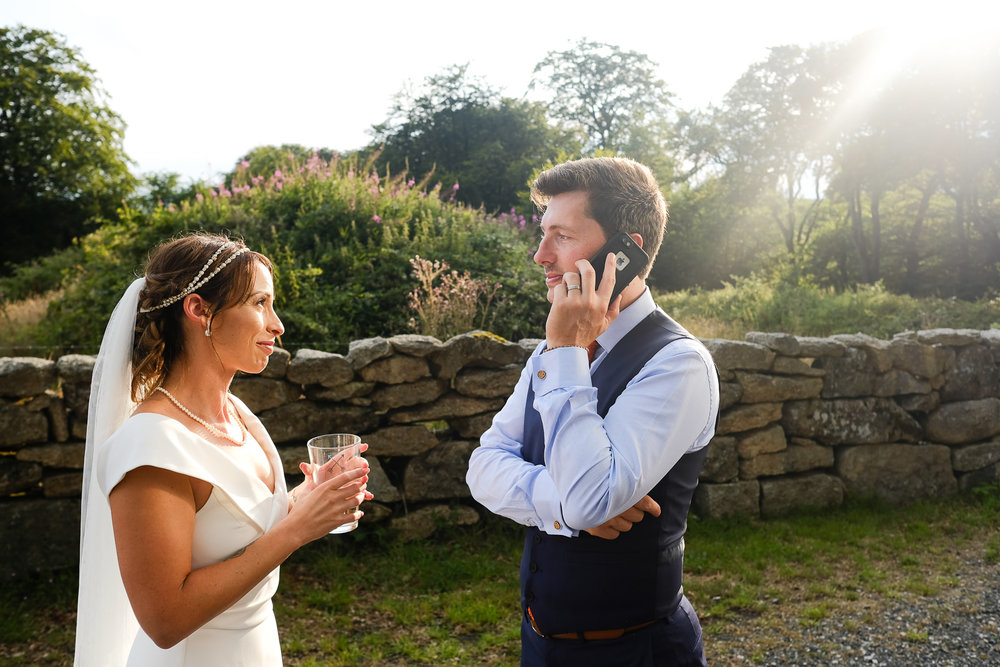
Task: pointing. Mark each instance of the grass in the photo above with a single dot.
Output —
(754, 304)
(453, 600)
(18, 320)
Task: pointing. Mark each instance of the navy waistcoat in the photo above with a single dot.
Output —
(573, 584)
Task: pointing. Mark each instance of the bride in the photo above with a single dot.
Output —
(186, 516)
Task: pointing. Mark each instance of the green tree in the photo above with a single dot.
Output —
(772, 123)
(62, 165)
(916, 166)
(465, 132)
(614, 96)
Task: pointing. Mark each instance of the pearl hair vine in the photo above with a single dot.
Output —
(198, 281)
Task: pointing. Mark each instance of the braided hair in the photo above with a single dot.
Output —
(159, 340)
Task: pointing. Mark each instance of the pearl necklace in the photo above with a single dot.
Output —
(211, 429)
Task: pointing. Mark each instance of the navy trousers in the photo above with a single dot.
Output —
(672, 642)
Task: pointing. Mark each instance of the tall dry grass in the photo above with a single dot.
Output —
(18, 323)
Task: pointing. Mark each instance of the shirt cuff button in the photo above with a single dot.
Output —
(541, 375)
(557, 525)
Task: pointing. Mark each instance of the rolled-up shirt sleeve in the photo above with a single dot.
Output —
(503, 482)
(601, 467)
(595, 468)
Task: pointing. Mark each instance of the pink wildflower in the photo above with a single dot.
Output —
(199, 196)
(455, 187)
(244, 164)
(376, 218)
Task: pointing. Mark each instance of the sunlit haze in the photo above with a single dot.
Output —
(201, 83)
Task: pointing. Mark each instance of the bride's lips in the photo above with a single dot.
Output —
(267, 345)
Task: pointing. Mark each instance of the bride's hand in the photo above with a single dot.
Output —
(297, 494)
(332, 503)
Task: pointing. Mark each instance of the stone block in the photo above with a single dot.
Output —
(360, 353)
(716, 501)
(793, 366)
(761, 388)
(299, 421)
(730, 393)
(26, 376)
(315, 367)
(783, 495)
(748, 417)
(375, 512)
(277, 364)
(68, 455)
(18, 476)
(55, 410)
(721, 460)
(378, 482)
(39, 534)
(415, 345)
(850, 421)
(974, 375)
(735, 354)
(949, 337)
(476, 348)
(261, 394)
(472, 427)
(799, 456)
(20, 426)
(900, 383)
(781, 343)
(426, 391)
(409, 440)
(63, 485)
(488, 383)
(875, 349)
(397, 369)
(439, 472)
(849, 376)
(964, 422)
(422, 523)
(452, 405)
(762, 441)
(974, 457)
(917, 359)
(967, 481)
(820, 347)
(354, 389)
(897, 473)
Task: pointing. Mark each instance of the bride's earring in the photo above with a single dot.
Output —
(208, 328)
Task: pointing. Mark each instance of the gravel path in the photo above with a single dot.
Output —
(957, 626)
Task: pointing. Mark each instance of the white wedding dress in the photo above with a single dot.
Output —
(241, 509)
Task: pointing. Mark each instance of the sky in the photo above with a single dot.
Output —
(200, 83)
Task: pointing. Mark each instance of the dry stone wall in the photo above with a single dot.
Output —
(805, 422)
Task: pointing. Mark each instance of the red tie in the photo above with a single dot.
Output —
(591, 351)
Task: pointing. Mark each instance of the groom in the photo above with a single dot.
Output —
(599, 459)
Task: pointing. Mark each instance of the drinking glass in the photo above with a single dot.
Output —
(330, 455)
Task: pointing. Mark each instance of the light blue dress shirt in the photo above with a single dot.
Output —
(595, 468)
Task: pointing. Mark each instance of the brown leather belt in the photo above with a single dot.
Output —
(588, 634)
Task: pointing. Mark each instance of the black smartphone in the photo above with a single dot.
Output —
(630, 260)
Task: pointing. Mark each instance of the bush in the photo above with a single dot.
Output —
(758, 304)
(340, 237)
